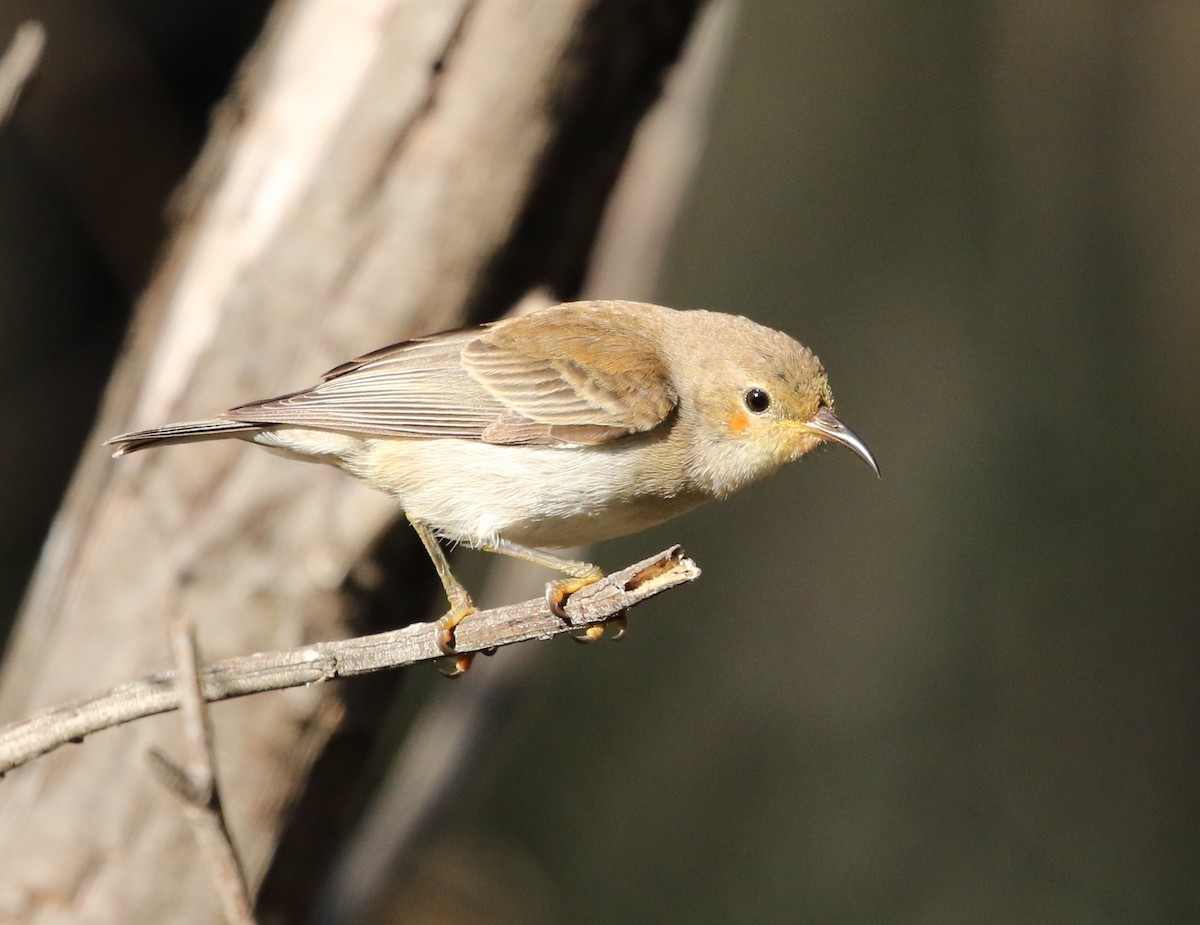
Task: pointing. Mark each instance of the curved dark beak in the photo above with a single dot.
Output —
(826, 424)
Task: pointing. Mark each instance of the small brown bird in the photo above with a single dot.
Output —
(573, 424)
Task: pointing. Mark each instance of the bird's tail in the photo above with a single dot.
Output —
(184, 432)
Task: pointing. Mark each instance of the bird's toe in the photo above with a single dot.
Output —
(460, 666)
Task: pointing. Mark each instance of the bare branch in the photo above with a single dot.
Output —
(19, 64)
(266, 671)
(195, 786)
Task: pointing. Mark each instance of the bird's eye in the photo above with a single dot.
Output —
(757, 400)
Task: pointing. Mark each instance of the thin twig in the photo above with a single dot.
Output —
(19, 64)
(195, 786)
(323, 661)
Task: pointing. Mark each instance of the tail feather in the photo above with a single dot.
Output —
(184, 432)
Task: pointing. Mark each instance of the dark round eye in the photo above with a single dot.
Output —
(757, 400)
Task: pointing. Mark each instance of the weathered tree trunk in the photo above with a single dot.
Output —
(384, 168)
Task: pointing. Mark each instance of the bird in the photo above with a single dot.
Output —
(570, 425)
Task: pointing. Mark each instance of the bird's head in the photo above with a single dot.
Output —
(760, 400)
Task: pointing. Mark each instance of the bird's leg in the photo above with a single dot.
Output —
(461, 605)
(582, 574)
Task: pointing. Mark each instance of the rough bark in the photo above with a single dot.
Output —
(382, 169)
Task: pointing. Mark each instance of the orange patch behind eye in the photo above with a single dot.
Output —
(737, 422)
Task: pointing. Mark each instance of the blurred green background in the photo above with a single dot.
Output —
(967, 692)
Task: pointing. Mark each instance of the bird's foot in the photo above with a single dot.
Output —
(459, 667)
(459, 611)
(557, 592)
(592, 633)
(595, 632)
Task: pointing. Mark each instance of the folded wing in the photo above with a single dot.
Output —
(572, 375)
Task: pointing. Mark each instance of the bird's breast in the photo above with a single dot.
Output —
(475, 492)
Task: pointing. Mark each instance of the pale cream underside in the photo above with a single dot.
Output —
(475, 493)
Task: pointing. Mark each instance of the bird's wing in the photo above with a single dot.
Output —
(508, 383)
(417, 388)
(579, 374)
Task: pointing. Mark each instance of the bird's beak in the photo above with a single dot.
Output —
(826, 425)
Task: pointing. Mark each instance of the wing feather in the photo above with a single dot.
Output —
(575, 374)
(417, 388)
(584, 365)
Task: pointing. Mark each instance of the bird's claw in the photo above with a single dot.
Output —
(556, 600)
(461, 664)
(592, 633)
(445, 637)
(448, 624)
(446, 642)
(557, 593)
(595, 632)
